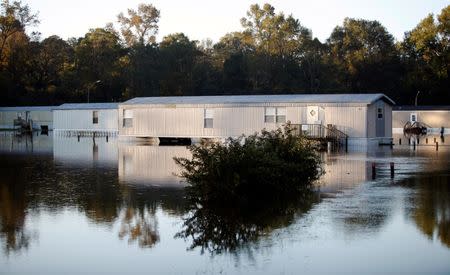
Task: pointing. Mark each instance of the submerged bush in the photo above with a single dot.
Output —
(269, 165)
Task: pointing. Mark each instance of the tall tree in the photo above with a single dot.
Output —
(14, 17)
(97, 57)
(139, 26)
(179, 55)
(365, 56)
(426, 54)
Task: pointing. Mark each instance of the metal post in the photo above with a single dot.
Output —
(374, 172)
(426, 140)
(437, 146)
(399, 141)
(392, 170)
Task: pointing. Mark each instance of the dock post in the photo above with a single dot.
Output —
(426, 140)
(434, 140)
(399, 141)
(78, 136)
(392, 170)
(374, 172)
(106, 137)
(437, 146)
(409, 141)
(414, 146)
(346, 144)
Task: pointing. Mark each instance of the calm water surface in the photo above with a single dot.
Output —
(69, 206)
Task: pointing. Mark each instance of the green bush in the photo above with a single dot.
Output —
(269, 165)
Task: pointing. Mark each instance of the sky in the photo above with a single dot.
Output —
(201, 19)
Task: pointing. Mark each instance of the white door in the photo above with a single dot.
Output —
(312, 115)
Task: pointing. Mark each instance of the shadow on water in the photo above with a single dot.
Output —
(218, 230)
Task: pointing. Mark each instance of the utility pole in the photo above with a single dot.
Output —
(417, 95)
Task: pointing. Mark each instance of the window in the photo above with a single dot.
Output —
(269, 115)
(380, 113)
(95, 117)
(127, 118)
(272, 115)
(208, 116)
(281, 115)
(413, 117)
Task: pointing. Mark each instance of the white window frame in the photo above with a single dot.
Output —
(127, 118)
(275, 115)
(280, 115)
(94, 117)
(270, 114)
(208, 118)
(411, 117)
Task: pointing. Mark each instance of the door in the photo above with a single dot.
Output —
(312, 116)
(379, 118)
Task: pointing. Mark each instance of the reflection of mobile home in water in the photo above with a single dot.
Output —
(344, 172)
(85, 151)
(152, 165)
(365, 118)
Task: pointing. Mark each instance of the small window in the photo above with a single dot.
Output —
(281, 115)
(269, 115)
(95, 117)
(127, 118)
(380, 113)
(413, 117)
(208, 116)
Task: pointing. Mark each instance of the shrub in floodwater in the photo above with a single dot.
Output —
(269, 165)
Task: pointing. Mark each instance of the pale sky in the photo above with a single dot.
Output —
(200, 19)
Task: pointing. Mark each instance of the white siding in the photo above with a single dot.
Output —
(350, 120)
(81, 120)
(181, 121)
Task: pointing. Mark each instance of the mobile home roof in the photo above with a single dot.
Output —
(26, 108)
(249, 99)
(87, 106)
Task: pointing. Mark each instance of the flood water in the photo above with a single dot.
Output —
(84, 206)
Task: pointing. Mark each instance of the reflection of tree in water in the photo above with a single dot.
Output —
(138, 221)
(34, 183)
(225, 229)
(14, 206)
(12, 220)
(139, 225)
(431, 206)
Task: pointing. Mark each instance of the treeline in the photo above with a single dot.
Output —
(273, 53)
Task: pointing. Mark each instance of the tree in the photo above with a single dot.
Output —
(97, 57)
(426, 55)
(179, 55)
(365, 56)
(140, 26)
(14, 17)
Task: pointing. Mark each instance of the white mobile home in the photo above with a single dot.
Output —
(433, 117)
(363, 117)
(86, 118)
(41, 116)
